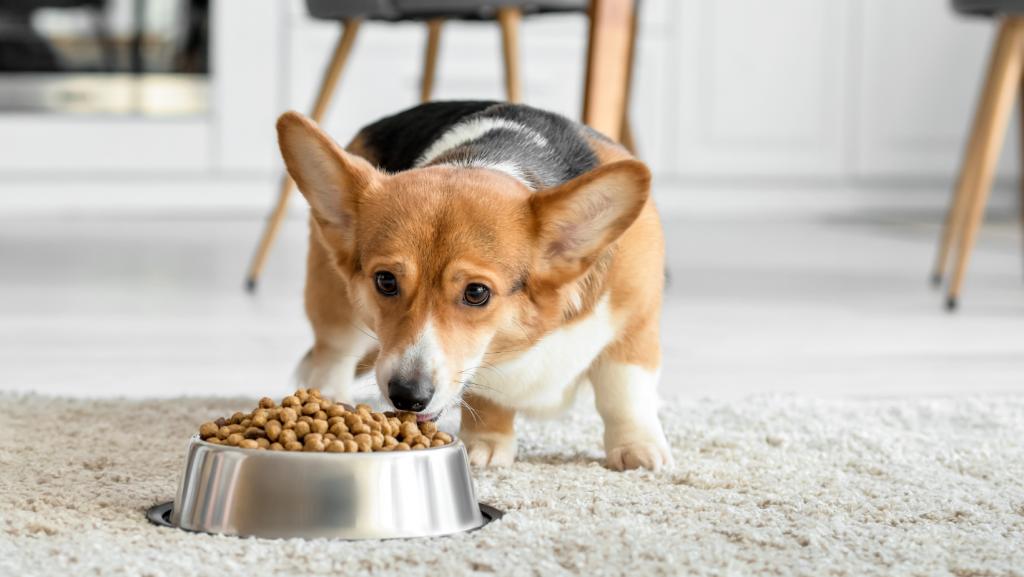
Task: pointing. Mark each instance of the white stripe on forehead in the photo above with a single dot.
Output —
(471, 130)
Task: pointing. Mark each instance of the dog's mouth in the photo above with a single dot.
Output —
(422, 417)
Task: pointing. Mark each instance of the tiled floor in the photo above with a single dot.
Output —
(144, 307)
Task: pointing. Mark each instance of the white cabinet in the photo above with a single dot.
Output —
(760, 88)
(921, 70)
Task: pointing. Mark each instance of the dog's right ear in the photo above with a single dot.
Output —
(331, 179)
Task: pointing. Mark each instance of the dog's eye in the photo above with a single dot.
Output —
(387, 284)
(476, 295)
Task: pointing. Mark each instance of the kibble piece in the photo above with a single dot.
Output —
(312, 437)
(374, 425)
(376, 441)
(389, 414)
(314, 447)
(245, 423)
(288, 425)
(305, 419)
(360, 429)
(260, 420)
(293, 446)
(266, 403)
(352, 420)
(335, 447)
(314, 393)
(409, 430)
(254, 433)
(248, 444)
(337, 428)
(351, 446)
(236, 428)
(334, 411)
(207, 430)
(287, 436)
(407, 417)
(437, 443)
(401, 447)
(332, 420)
(223, 432)
(275, 413)
(276, 447)
(386, 449)
(390, 441)
(301, 429)
(346, 436)
(418, 446)
(263, 443)
(237, 418)
(318, 426)
(396, 426)
(290, 402)
(330, 437)
(361, 408)
(310, 408)
(221, 422)
(364, 442)
(234, 439)
(273, 430)
(440, 435)
(215, 441)
(325, 404)
(428, 428)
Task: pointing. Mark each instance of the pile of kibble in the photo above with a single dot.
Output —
(307, 422)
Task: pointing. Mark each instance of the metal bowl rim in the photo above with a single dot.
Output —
(266, 453)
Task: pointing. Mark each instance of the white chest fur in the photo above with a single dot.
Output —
(543, 381)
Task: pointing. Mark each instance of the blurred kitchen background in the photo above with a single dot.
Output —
(804, 154)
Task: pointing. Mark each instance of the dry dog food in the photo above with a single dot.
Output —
(307, 422)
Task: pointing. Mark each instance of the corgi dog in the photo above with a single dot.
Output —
(487, 258)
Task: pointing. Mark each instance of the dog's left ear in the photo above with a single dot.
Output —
(577, 220)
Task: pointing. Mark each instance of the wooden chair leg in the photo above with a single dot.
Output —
(956, 214)
(608, 56)
(510, 20)
(430, 61)
(1001, 88)
(626, 138)
(327, 86)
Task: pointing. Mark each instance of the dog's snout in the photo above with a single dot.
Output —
(410, 394)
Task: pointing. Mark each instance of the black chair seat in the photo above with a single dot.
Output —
(395, 10)
(989, 7)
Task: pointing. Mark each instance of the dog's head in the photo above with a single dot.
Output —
(448, 264)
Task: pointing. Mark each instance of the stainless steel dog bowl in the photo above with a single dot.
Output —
(275, 494)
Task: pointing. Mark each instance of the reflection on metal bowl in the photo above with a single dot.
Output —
(276, 494)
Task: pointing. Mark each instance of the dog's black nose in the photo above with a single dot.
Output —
(410, 395)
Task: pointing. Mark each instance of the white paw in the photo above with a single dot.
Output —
(490, 449)
(650, 456)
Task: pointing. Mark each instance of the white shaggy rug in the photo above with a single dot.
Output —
(769, 485)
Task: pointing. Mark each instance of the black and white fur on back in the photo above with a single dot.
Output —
(541, 149)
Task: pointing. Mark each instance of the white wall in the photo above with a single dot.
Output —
(750, 91)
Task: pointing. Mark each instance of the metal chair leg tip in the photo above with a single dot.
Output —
(936, 280)
(250, 285)
(951, 304)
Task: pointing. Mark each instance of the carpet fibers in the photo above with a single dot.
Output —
(768, 485)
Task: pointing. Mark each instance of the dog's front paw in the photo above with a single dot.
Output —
(490, 449)
(650, 456)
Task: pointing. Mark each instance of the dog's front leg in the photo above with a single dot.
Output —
(627, 400)
(488, 431)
